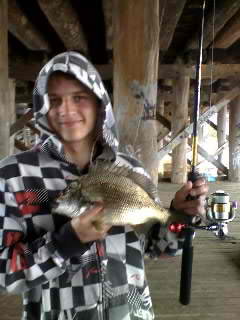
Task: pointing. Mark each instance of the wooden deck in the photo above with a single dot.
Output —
(216, 274)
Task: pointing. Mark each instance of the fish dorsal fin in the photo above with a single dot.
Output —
(144, 182)
(137, 175)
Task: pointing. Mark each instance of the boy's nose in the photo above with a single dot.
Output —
(66, 105)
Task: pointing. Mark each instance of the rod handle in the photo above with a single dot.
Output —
(186, 270)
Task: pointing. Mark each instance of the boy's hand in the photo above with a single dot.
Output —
(86, 229)
(198, 189)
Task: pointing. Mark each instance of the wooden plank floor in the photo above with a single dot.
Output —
(216, 274)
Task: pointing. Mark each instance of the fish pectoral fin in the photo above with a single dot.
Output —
(92, 197)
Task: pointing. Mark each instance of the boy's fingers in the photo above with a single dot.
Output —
(184, 191)
(93, 211)
(199, 182)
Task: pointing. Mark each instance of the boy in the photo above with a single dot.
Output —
(67, 269)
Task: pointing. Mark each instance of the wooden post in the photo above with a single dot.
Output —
(234, 140)
(136, 54)
(160, 110)
(179, 121)
(160, 128)
(4, 118)
(221, 128)
(12, 113)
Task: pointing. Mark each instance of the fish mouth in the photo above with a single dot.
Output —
(54, 206)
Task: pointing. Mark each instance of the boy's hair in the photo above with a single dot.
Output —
(67, 76)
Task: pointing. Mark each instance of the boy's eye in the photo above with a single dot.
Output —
(79, 98)
(54, 102)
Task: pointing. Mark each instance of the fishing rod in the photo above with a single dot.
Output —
(187, 255)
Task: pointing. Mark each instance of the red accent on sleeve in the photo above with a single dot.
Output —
(26, 202)
(18, 261)
(11, 237)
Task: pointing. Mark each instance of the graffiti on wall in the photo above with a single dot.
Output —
(140, 93)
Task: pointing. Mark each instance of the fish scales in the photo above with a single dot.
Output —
(124, 200)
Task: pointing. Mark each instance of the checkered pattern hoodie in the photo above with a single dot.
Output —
(40, 255)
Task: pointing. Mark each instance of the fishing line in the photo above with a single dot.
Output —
(196, 108)
(212, 51)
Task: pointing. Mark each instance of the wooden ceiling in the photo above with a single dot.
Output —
(39, 29)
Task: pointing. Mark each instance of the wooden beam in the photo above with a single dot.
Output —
(24, 30)
(221, 149)
(218, 151)
(65, 21)
(12, 112)
(214, 126)
(4, 85)
(164, 131)
(167, 124)
(209, 71)
(171, 12)
(229, 34)
(164, 121)
(212, 160)
(222, 124)
(33, 129)
(21, 122)
(107, 11)
(222, 101)
(27, 68)
(27, 98)
(20, 145)
(174, 71)
(224, 12)
(234, 140)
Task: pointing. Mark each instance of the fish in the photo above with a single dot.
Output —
(128, 197)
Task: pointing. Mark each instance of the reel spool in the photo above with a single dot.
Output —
(220, 211)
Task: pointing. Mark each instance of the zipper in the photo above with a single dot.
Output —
(101, 309)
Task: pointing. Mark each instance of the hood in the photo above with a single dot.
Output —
(77, 65)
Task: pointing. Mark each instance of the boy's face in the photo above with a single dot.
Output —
(73, 110)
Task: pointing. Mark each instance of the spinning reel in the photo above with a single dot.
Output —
(219, 212)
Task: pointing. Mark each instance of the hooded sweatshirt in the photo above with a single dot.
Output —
(41, 257)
